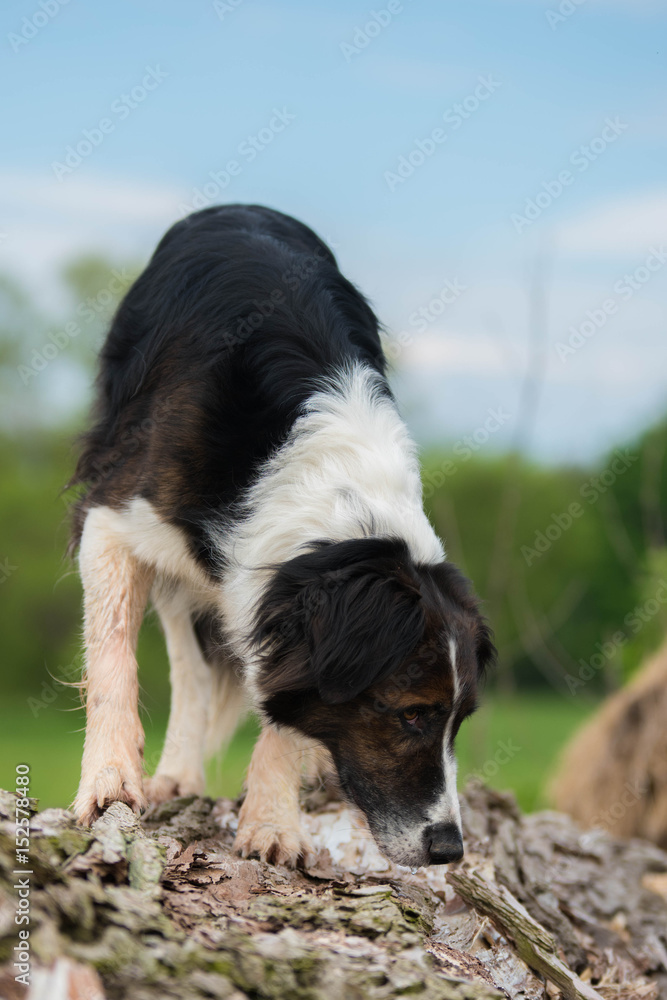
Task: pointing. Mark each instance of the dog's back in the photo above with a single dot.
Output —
(239, 315)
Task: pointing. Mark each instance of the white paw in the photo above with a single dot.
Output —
(279, 844)
(114, 781)
(162, 787)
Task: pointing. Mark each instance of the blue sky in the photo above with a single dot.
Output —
(347, 115)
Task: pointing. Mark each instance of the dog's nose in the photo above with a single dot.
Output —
(443, 842)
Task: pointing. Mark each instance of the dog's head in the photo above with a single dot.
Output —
(379, 659)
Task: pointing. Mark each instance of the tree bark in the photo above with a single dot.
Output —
(162, 908)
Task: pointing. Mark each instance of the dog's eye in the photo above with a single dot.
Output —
(411, 716)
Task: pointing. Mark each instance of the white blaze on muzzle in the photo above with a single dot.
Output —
(447, 809)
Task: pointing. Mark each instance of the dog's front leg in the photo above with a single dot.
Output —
(116, 588)
(270, 817)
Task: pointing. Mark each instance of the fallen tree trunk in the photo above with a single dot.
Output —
(163, 908)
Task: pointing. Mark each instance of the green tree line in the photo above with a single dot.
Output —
(570, 561)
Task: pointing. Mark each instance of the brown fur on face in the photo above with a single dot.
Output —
(396, 771)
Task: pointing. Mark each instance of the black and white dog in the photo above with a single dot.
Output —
(248, 472)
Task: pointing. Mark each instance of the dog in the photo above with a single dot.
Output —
(248, 473)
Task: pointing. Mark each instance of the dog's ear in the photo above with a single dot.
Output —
(457, 589)
(339, 619)
(367, 620)
(487, 653)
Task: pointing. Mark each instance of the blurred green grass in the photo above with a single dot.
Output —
(513, 742)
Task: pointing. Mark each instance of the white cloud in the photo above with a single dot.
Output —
(470, 358)
(45, 223)
(454, 353)
(89, 198)
(625, 226)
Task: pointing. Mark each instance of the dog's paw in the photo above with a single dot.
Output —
(162, 787)
(111, 783)
(279, 845)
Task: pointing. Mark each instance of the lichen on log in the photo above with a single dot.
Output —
(163, 908)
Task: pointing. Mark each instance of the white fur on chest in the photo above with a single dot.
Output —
(348, 470)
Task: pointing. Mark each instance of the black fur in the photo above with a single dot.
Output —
(339, 619)
(344, 617)
(187, 355)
